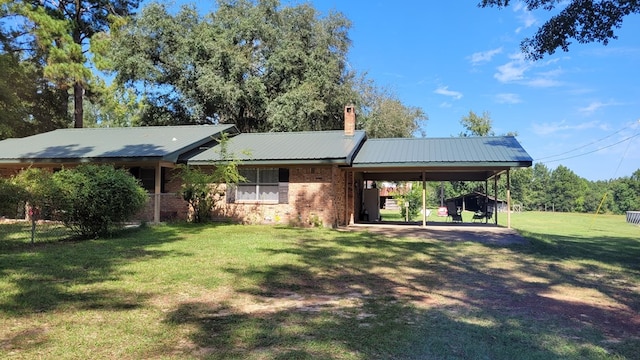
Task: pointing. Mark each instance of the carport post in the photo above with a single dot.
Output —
(508, 199)
(495, 198)
(424, 200)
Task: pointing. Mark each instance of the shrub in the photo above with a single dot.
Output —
(96, 199)
(35, 187)
(414, 197)
(201, 189)
(12, 198)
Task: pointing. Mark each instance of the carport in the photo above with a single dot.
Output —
(438, 159)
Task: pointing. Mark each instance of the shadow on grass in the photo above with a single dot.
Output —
(611, 250)
(382, 328)
(424, 298)
(42, 276)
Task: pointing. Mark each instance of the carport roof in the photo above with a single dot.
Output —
(166, 143)
(440, 159)
(502, 151)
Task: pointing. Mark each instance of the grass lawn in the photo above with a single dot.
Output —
(260, 292)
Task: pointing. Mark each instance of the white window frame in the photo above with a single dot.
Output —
(240, 197)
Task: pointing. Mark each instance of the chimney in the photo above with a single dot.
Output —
(349, 120)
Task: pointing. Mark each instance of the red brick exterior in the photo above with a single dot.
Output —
(316, 197)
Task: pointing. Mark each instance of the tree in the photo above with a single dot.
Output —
(566, 189)
(253, 64)
(28, 103)
(61, 32)
(115, 107)
(477, 125)
(585, 21)
(383, 115)
(201, 189)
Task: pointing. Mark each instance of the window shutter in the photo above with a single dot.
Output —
(283, 186)
(230, 193)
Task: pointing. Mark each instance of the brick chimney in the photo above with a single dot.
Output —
(349, 120)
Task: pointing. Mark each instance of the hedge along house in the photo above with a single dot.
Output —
(149, 153)
(296, 177)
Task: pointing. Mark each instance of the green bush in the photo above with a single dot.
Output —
(414, 198)
(95, 199)
(12, 197)
(35, 187)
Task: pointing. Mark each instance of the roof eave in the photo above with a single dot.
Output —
(81, 160)
(274, 162)
(469, 164)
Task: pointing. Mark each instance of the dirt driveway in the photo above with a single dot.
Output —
(481, 233)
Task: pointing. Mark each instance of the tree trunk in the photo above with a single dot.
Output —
(78, 87)
(78, 113)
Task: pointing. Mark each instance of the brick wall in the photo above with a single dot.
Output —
(316, 198)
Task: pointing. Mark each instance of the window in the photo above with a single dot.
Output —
(262, 185)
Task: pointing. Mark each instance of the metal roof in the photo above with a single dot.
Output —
(111, 144)
(311, 147)
(442, 152)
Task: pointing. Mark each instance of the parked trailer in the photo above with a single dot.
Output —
(633, 217)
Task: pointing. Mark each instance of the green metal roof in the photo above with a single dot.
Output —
(443, 152)
(312, 147)
(111, 144)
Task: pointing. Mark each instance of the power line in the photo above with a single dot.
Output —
(583, 146)
(596, 150)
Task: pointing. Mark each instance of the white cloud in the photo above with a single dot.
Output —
(542, 82)
(508, 98)
(526, 17)
(591, 108)
(552, 128)
(595, 106)
(516, 69)
(484, 56)
(444, 90)
(513, 70)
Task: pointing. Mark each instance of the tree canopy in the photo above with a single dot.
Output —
(58, 34)
(259, 66)
(477, 125)
(585, 21)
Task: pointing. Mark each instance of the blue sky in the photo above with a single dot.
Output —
(449, 57)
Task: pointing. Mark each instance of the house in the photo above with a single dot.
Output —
(304, 177)
(149, 153)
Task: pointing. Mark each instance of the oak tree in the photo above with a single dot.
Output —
(585, 21)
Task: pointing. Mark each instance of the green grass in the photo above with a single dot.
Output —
(260, 292)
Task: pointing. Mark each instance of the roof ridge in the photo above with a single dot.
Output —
(296, 132)
(442, 138)
(141, 127)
